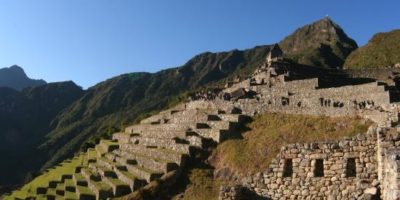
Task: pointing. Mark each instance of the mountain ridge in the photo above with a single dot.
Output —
(116, 102)
(16, 78)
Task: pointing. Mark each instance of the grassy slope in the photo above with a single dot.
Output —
(202, 185)
(381, 51)
(269, 132)
(53, 174)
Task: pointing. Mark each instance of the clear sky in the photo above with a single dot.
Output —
(88, 41)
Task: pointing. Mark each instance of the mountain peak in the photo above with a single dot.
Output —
(322, 43)
(16, 78)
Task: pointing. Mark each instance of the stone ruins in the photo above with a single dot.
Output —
(362, 167)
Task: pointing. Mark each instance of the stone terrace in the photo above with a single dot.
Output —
(143, 153)
(354, 168)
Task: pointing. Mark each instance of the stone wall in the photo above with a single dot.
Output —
(391, 179)
(389, 164)
(327, 170)
(368, 100)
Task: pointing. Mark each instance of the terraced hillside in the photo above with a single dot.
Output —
(141, 154)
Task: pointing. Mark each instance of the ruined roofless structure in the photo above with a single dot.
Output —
(158, 148)
(274, 54)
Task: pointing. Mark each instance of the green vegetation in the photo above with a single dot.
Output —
(202, 186)
(381, 51)
(117, 102)
(25, 117)
(269, 132)
(78, 121)
(53, 174)
(322, 44)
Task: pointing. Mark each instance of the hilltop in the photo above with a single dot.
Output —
(322, 43)
(382, 51)
(15, 77)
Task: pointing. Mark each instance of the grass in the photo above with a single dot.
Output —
(67, 167)
(381, 51)
(202, 185)
(269, 132)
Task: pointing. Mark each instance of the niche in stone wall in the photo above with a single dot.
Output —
(285, 101)
(288, 168)
(351, 167)
(319, 168)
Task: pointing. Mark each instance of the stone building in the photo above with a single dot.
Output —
(363, 167)
(275, 54)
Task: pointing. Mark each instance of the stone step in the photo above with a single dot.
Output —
(84, 193)
(141, 172)
(68, 195)
(101, 170)
(132, 180)
(139, 128)
(173, 144)
(213, 134)
(237, 118)
(145, 161)
(119, 187)
(164, 114)
(101, 189)
(60, 189)
(206, 116)
(69, 185)
(122, 137)
(164, 154)
(88, 175)
(109, 177)
(79, 180)
(108, 145)
(51, 193)
(91, 155)
(188, 137)
(220, 125)
(163, 134)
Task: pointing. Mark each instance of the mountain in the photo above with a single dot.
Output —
(62, 119)
(381, 51)
(114, 103)
(15, 77)
(322, 43)
(25, 117)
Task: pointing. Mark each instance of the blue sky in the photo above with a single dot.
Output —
(88, 41)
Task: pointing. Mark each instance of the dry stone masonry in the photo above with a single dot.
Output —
(362, 167)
